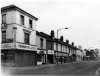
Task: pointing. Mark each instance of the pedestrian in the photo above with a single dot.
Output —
(71, 59)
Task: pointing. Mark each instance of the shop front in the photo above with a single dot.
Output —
(21, 55)
(41, 57)
(65, 57)
(57, 56)
(50, 57)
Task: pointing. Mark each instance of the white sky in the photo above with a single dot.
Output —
(82, 17)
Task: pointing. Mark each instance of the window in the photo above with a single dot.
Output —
(3, 36)
(26, 38)
(4, 18)
(22, 19)
(61, 48)
(41, 43)
(30, 23)
(51, 47)
(56, 46)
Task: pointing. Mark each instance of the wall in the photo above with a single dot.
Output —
(10, 18)
(26, 24)
(38, 41)
(48, 44)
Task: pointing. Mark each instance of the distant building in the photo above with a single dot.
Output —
(80, 54)
(18, 29)
(96, 53)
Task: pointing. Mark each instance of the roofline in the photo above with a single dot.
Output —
(18, 9)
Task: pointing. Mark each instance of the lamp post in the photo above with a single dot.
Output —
(57, 42)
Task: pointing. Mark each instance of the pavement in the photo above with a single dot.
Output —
(35, 67)
(42, 66)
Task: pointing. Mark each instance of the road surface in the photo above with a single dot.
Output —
(79, 68)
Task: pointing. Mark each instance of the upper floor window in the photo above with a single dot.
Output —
(56, 46)
(26, 38)
(3, 36)
(30, 23)
(41, 43)
(51, 46)
(61, 48)
(22, 19)
(4, 18)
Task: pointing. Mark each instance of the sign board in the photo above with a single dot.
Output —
(7, 46)
(57, 54)
(64, 54)
(26, 47)
(38, 51)
(51, 52)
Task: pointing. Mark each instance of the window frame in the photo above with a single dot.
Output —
(4, 19)
(22, 19)
(26, 38)
(3, 35)
(41, 42)
(30, 23)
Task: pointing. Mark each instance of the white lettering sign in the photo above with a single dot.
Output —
(25, 47)
(50, 52)
(7, 46)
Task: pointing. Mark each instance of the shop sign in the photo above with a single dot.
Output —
(25, 47)
(7, 46)
(38, 51)
(64, 54)
(50, 52)
(57, 54)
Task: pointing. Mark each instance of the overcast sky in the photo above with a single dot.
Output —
(82, 17)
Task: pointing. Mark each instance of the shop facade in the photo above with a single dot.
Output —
(18, 39)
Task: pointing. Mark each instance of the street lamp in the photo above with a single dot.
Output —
(57, 42)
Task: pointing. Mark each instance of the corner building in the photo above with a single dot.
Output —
(18, 31)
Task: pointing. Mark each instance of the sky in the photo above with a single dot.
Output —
(82, 17)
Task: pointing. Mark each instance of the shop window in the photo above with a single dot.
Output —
(3, 18)
(26, 38)
(7, 56)
(30, 23)
(22, 19)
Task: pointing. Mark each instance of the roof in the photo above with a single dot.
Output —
(48, 37)
(40, 34)
(18, 9)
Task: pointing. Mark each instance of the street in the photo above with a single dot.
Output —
(79, 68)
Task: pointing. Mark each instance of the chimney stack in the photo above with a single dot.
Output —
(52, 33)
